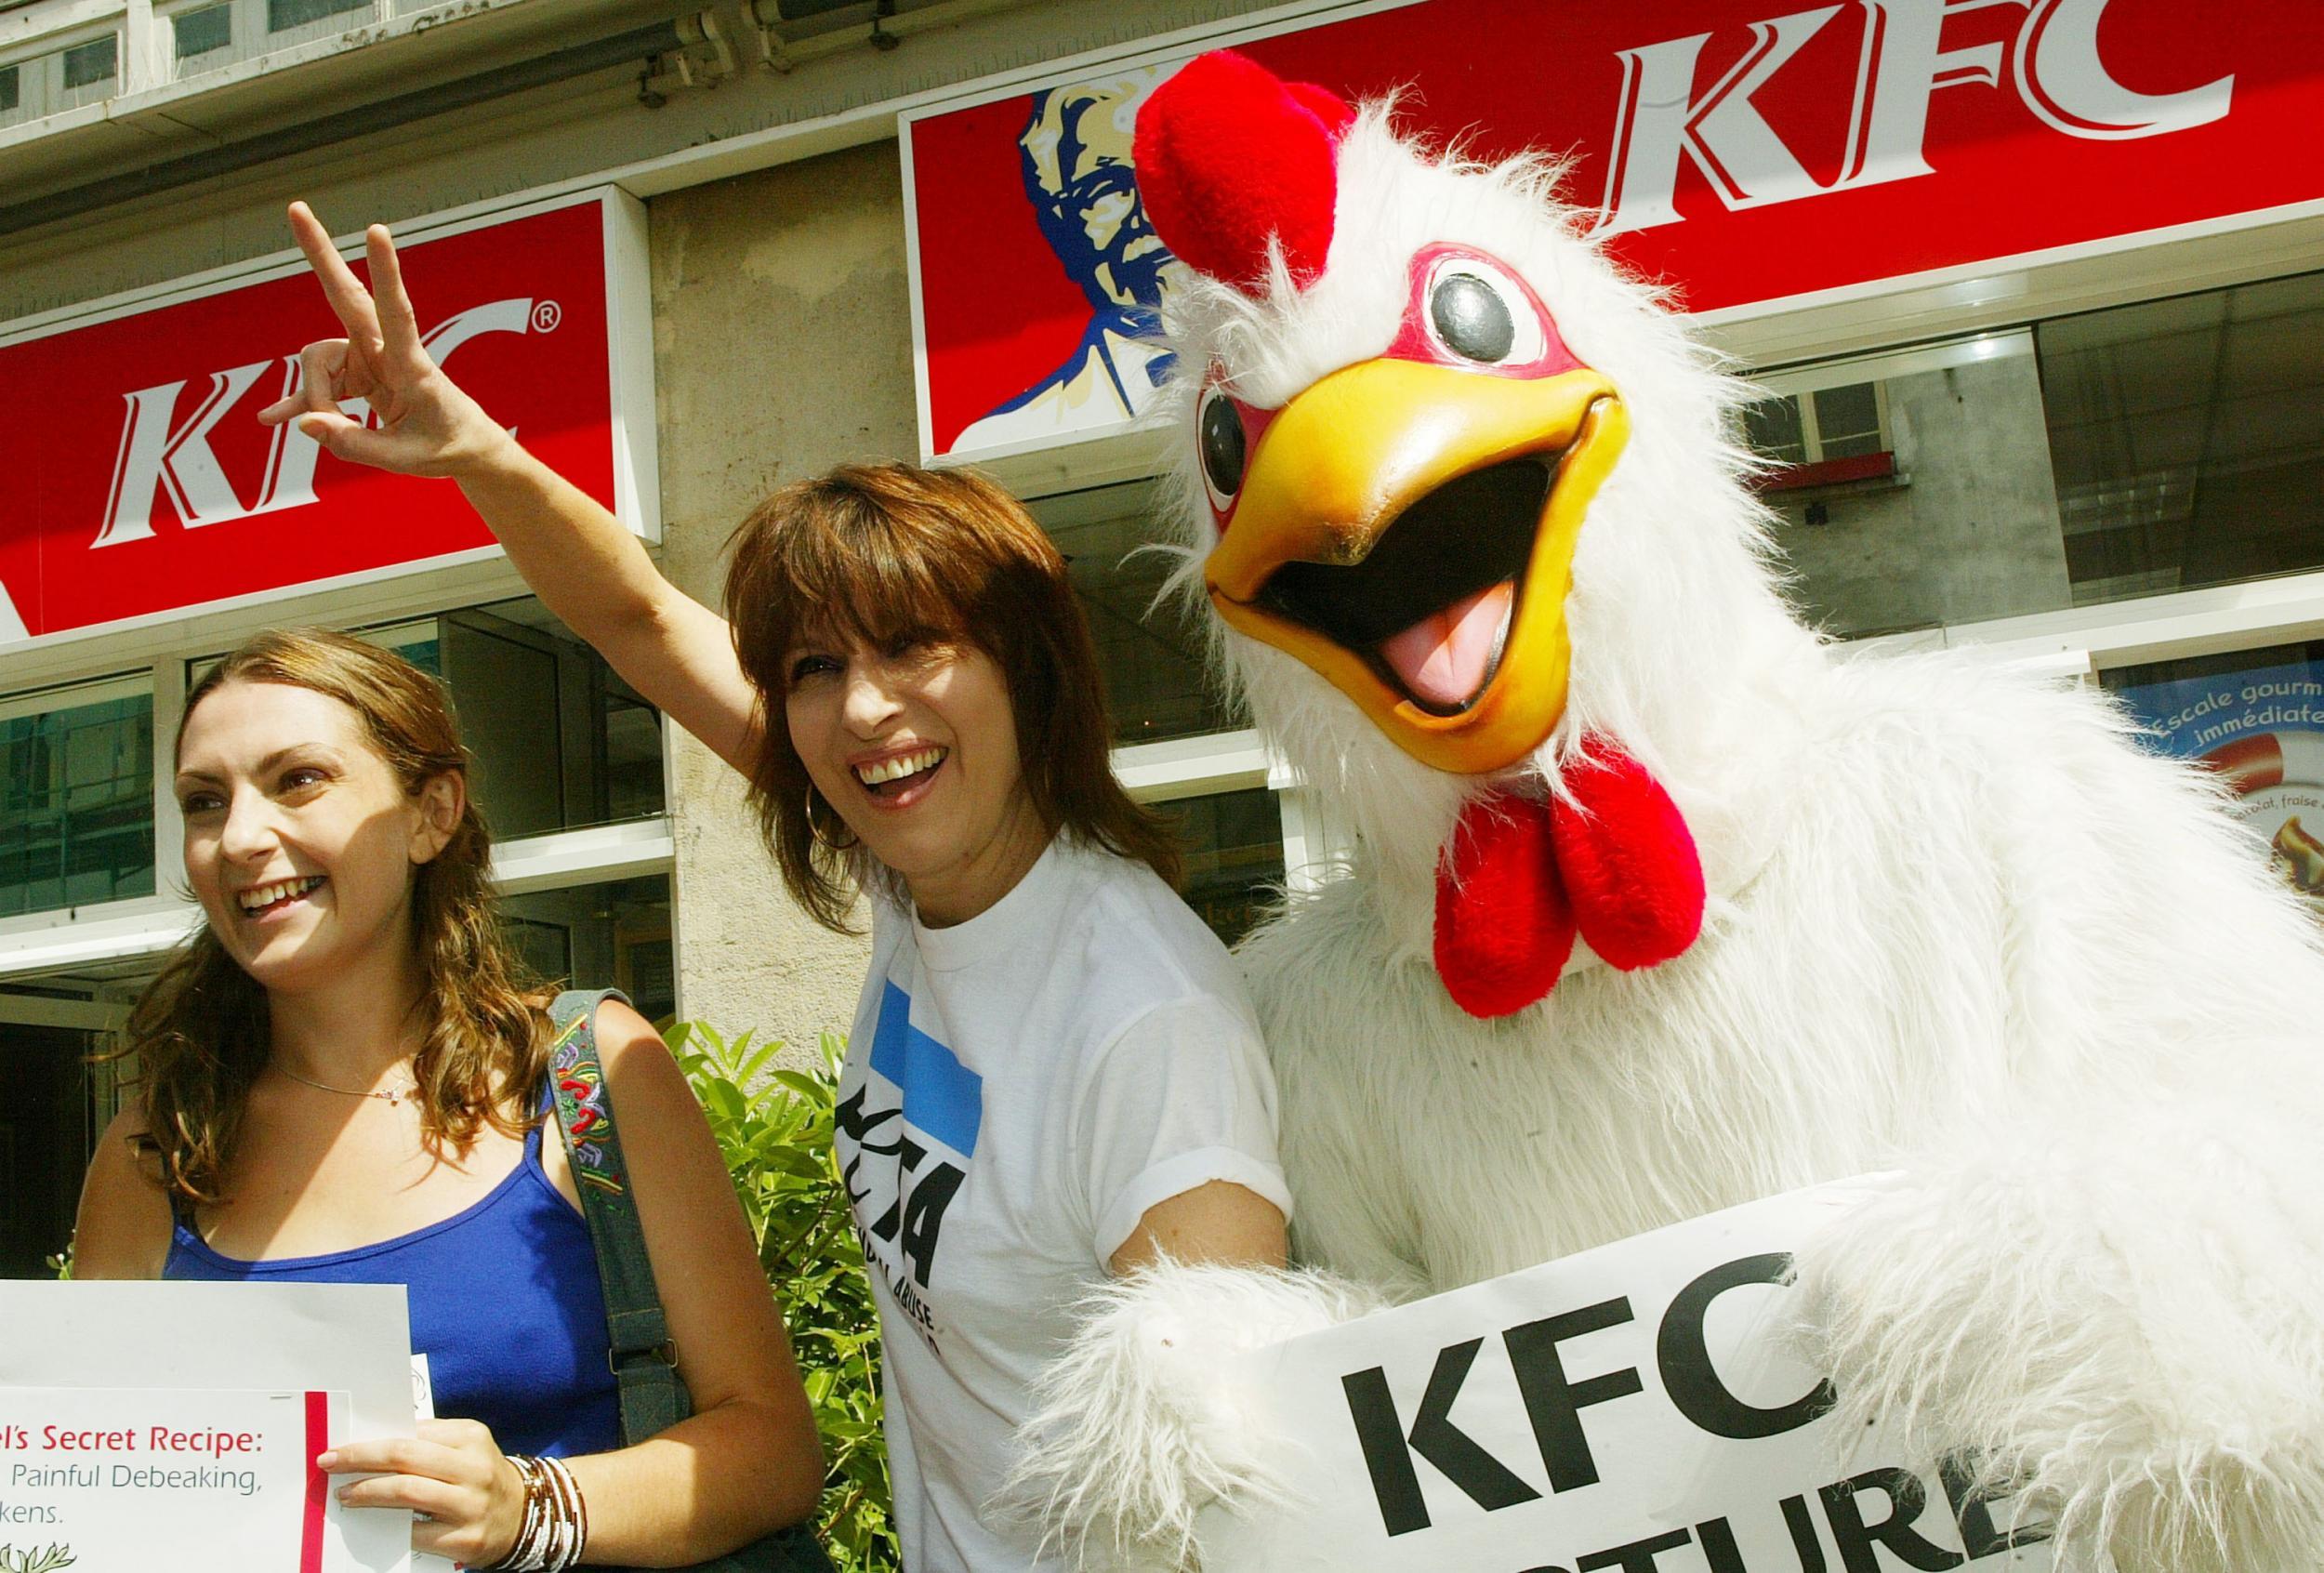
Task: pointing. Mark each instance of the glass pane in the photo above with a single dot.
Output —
(76, 800)
(86, 64)
(44, 1083)
(1151, 656)
(283, 15)
(200, 32)
(1848, 420)
(1234, 843)
(8, 90)
(2256, 717)
(559, 740)
(613, 936)
(1960, 525)
(2188, 438)
(1771, 428)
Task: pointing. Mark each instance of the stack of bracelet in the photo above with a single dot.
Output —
(556, 1521)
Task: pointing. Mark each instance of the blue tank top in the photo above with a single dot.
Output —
(505, 1301)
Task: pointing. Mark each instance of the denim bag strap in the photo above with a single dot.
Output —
(654, 1398)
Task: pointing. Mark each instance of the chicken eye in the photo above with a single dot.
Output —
(1471, 318)
(1222, 445)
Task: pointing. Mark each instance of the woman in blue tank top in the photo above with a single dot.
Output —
(341, 1079)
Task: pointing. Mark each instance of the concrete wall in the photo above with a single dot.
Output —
(1973, 536)
(782, 347)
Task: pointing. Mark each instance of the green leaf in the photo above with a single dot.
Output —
(774, 1127)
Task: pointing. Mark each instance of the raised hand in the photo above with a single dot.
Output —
(422, 423)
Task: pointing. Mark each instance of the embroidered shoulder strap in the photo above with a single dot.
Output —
(645, 1361)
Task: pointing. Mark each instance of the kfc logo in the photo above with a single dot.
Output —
(2053, 63)
(177, 461)
(145, 432)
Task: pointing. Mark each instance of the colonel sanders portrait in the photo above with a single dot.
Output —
(1075, 151)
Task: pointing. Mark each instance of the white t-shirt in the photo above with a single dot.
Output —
(1019, 1090)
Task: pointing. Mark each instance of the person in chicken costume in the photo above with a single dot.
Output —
(1657, 906)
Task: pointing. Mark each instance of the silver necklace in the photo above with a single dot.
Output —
(391, 1096)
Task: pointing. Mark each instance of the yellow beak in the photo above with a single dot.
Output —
(1348, 458)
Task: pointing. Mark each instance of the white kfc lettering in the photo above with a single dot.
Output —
(177, 461)
(2052, 62)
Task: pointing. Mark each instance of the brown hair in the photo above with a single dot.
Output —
(200, 1031)
(869, 552)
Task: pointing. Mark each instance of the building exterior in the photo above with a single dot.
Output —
(2034, 290)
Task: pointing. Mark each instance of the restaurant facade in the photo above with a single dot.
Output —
(2031, 294)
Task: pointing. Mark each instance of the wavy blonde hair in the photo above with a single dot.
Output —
(199, 1033)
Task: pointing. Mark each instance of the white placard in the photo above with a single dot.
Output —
(194, 1480)
(1637, 1407)
(349, 1339)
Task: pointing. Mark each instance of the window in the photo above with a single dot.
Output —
(559, 740)
(63, 78)
(1234, 845)
(1953, 516)
(1806, 430)
(203, 32)
(1151, 655)
(2188, 438)
(282, 16)
(86, 65)
(616, 935)
(76, 796)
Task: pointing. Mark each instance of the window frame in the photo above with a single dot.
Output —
(160, 656)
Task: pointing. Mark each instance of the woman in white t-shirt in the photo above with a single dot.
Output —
(1054, 1076)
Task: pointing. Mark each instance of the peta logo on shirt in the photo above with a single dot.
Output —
(907, 1134)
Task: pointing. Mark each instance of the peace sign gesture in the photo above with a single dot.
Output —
(422, 423)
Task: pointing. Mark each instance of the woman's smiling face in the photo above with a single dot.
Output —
(915, 744)
(300, 842)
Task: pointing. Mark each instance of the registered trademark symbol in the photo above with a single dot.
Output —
(547, 315)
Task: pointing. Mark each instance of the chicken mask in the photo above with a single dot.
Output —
(1404, 526)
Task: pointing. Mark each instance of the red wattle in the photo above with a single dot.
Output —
(1628, 861)
(1503, 926)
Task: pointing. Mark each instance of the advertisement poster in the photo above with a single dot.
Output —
(197, 1481)
(2263, 729)
(1638, 1407)
(1739, 153)
(141, 486)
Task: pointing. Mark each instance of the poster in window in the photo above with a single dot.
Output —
(2263, 729)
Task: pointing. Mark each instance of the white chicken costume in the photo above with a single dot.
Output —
(1657, 906)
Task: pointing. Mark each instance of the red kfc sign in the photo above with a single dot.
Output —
(140, 483)
(1737, 150)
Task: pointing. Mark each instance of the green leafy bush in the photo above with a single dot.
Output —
(774, 1127)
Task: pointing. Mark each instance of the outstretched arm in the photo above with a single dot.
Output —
(577, 558)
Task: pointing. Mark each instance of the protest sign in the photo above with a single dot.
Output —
(1637, 1407)
(196, 1343)
(195, 1480)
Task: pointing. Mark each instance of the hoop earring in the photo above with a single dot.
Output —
(815, 830)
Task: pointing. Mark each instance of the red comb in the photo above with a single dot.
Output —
(1230, 156)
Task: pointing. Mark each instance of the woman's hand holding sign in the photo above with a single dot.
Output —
(468, 1496)
(425, 425)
